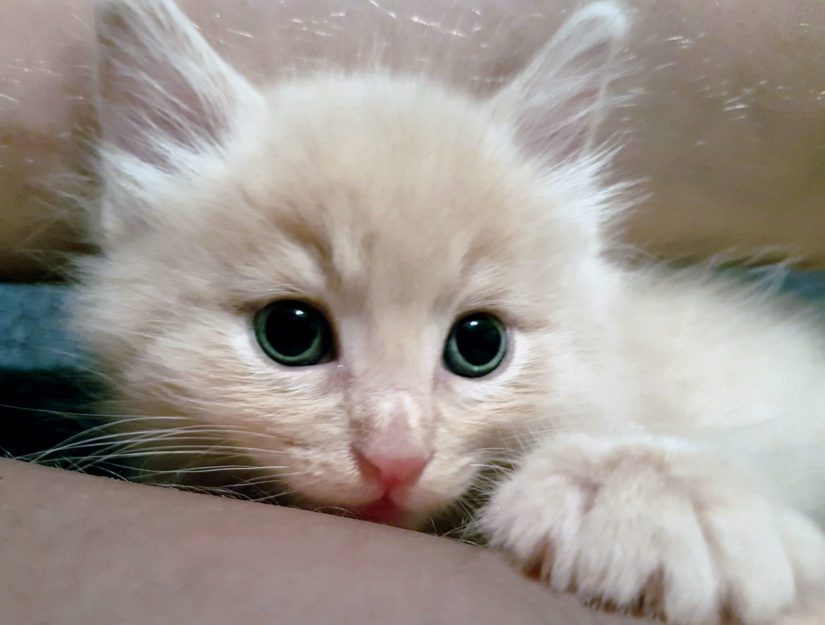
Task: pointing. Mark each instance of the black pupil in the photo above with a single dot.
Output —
(478, 339)
(292, 329)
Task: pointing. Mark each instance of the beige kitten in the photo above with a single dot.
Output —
(365, 288)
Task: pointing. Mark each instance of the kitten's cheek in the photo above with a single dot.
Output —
(329, 494)
(440, 490)
(423, 505)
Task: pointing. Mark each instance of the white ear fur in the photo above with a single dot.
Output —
(165, 97)
(558, 100)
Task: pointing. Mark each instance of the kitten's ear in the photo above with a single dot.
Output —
(165, 99)
(160, 82)
(558, 100)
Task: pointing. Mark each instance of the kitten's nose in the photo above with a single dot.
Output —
(391, 469)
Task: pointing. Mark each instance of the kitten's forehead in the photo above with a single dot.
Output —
(395, 189)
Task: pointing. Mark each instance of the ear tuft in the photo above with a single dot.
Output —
(165, 100)
(558, 100)
(161, 86)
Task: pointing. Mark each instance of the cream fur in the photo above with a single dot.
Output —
(665, 433)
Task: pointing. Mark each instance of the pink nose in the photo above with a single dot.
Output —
(391, 470)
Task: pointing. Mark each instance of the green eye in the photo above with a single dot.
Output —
(476, 345)
(294, 333)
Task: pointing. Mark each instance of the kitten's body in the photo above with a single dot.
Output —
(733, 367)
(667, 433)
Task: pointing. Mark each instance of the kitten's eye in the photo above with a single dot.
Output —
(294, 333)
(476, 345)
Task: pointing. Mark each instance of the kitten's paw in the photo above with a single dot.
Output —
(656, 528)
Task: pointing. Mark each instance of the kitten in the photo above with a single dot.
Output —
(367, 287)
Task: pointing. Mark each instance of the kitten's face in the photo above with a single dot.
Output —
(395, 209)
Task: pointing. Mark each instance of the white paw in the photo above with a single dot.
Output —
(654, 528)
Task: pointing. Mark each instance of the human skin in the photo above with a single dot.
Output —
(726, 130)
(81, 550)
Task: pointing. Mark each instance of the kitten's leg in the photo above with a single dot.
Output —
(655, 526)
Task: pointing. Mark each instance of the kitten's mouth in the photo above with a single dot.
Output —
(383, 510)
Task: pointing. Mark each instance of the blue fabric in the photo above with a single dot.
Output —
(33, 333)
(809, 285)
(42, 372)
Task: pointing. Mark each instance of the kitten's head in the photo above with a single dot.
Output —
(365, 285)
